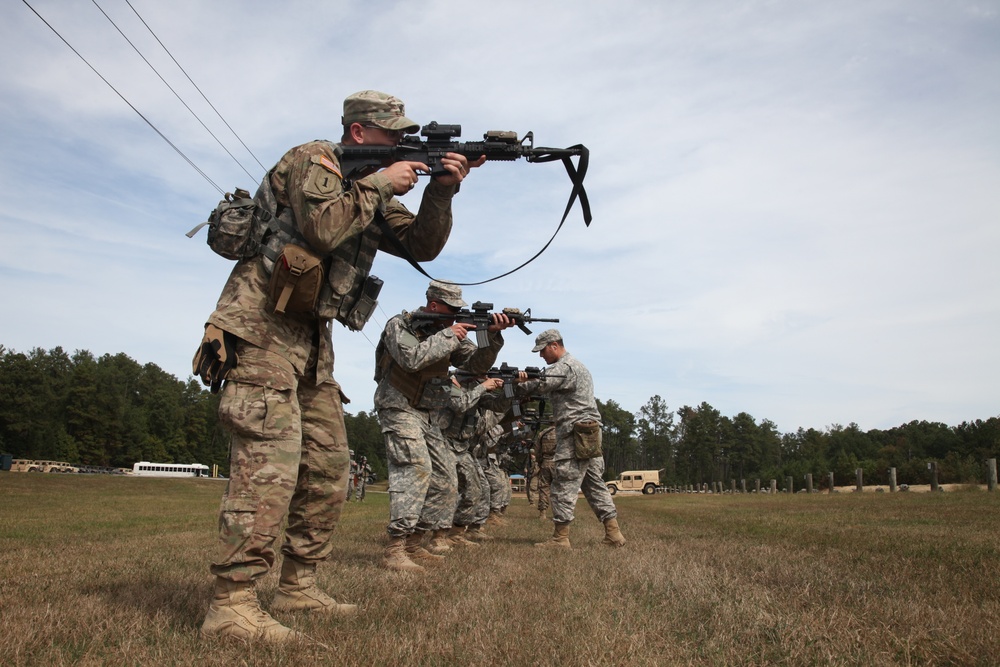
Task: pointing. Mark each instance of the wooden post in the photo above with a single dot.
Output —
(756, 485)
(859, 480)
(774, 486)
(932, 466)
(789, 484)
(991, 479)
(829, 477)
(892, 480)
(732, 486)
(809, 482)
(743, 486)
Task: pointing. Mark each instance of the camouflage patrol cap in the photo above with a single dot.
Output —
(380, 109)
(546, 337)
(446, 292)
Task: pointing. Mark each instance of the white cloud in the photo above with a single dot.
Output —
(795, 203)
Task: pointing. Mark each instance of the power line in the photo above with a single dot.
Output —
(134, 48)
(131, 106)
(204, 97)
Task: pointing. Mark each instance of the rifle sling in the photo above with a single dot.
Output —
(576, 176)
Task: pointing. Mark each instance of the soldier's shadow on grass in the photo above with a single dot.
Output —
(180, 604)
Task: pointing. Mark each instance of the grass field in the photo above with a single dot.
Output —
(109, 570)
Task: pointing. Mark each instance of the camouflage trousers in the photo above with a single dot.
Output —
(470, 491)
(288, 458)
(423, 482)
(499, 487)
(544, 477)
(574, 475)
(482, 509)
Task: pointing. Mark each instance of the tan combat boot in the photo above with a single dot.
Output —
(475, 533)
(559, 539)
(612, 534)
(457, 538)
(439, 542)
(396, 558)
(235, 612)
(417, 553)
(297, 591)
(541, 515)
(494, 519)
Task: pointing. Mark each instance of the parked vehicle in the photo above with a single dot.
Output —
(645, 481)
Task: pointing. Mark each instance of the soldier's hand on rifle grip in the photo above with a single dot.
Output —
(461, 329)
(403, 175)
(458, 167)
(522, 376)
(492, 383)
(500, 322)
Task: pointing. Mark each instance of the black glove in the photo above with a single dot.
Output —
(216, 356)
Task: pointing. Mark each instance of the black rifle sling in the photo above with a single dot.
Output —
(576, 176)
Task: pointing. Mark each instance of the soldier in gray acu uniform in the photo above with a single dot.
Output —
(458, 423)
(579, 461)
(412, 362)
(289, 454)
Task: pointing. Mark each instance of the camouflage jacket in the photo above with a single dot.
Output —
(570, 388)
(307, 179)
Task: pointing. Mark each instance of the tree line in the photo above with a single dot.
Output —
(113, 411)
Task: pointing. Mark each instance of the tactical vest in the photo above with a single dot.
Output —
(547, 443)
(349, 292)
(459, 428)
(426, 389)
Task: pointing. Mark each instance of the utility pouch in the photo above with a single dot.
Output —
(236, 227)
(296, 280)
(587, 439)
(365, 305)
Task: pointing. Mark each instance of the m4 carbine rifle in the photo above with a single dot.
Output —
(480, 316)
(496, 145)
(509, 375)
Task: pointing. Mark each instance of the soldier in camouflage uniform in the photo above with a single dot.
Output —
(458, 424)
(545, 449)
(281, 404)
(411, 367)
(570, 389)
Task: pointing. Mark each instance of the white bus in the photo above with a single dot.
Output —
(147, 469)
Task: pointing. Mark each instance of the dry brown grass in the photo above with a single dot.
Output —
(100, 570)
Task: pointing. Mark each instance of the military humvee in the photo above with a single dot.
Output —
(636, 480)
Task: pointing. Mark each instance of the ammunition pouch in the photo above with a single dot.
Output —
(587, 439)
(296, 281)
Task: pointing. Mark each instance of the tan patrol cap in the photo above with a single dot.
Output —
(445, 292)
(546, 337)
(379, 109)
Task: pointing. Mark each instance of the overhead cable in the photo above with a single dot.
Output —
(139, 113)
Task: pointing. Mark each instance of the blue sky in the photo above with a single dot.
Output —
(795, 203)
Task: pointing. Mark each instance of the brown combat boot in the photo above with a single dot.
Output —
(475, 533)
(396, 558)
(235, 612)
(612, 534)
(457, 538)
(494, 519)
(439, 543)
(541, 515)
(297, 591)
(416, 552)
(559, 539)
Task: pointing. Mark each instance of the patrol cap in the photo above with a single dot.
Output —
(446, 292)
(546, 337)
(380, 109)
